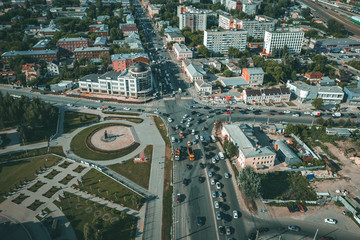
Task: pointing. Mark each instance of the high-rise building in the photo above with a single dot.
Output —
(191, 17)
(292, 38)
(220, 40)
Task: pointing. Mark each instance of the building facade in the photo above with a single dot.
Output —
(45, 55)
(121, 62)
(175, 37)
(99, 29)
(191, 17)
(91, 52)
(253, 76)
(220, 40)
(293, 39)
(71, 44)
(182, 52)
(269, 95)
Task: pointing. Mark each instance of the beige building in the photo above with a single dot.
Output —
(175, 37)
(250, 152)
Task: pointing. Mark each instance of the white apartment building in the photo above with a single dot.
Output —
(226, 21)
(292, 38)
(257, 27)
(191, 17)
(182, 52)
(249, 8)
(220, 40)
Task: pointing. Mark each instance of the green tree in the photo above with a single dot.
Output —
(231, 150)
(89, 233)
(243, 62)
(233, 52)
(105, 61)
(249, 182)
(320, 121)
(227, 73)
(204, 51)
(341, 122)
(317, 103)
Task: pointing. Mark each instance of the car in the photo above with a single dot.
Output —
(208, 116)
(296, 115)
(185, 182)
(346, 212)
(221, 229)
(216, 204)
(201, 179)
(127, 108)
(177, 127)
(170, 120)
(235, 214)
(185, 116)
(86, 107)
(210, 173)
(221, 195)
(200, 221)
(194, 141)
(227, 175)
(218, 215)
(201, 138)
(213, 194)
(330, 220)
(287, 111)
(213, 160)
(295, 208)
(252, 236)
(293, 228)
(218, 185)
(190, 119)
(197, 137)
(188, 124)
(70, 105)
(228, 230)
(202, 165)
(178, 198)
(307, 113)
(212, 181)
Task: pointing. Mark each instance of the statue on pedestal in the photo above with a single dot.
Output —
(106, 135)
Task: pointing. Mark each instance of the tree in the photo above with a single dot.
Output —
(335, 27)
(204, 51)
(231, 150)
(249, 182)
(89, 233)
(233, 52)
(317, 103)
(105, 61)
(243, 62)
(341, 122)
(320, 121)
(218, 125)
(227, 73)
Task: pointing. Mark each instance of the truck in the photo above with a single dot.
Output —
(177, 154)
(191, 153)
(206, 138)
(336, 115)
(221, 155)
(316, 114)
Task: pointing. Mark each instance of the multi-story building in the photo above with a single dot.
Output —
(49, 30)
(233, 4)
(100, 42)
(31, 71)
(41, 45)
(134, 82)
(293, 39)
(154, 9)
(334, 45)
(127, 30)
(175, 37)
(250, 151)
(53, 69)
(226, 21)
(220, 40)
(314, 77)
(305, 92)
(182, 52)
(250, 8)
(253, 76)
(91, 52)
(45, 55)
(121, 62)
(269, 95)
(100, 29)
(194, 71)
(191, 17)
(256, 28)
(71, 43)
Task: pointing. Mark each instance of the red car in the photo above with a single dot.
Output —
(301, 208)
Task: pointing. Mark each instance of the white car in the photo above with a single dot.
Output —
(330, 220)
(296, 115)
(212, 181)
(235, 214)
(170, 119)
(287, 111)
(69, 105)
(127, 108)
(185, 116)
(307, 113)
(188, 124)
(227, 175)
(210, 173)
(218, 185)
(216, 203)
(201, 138)
(197, 137)
(213, 160)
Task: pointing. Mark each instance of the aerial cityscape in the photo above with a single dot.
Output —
(179, 119)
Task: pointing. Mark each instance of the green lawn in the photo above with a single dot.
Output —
(114, 224)
(32, 153)
(14, 172)
(52, 174)
(122, 113)
(286, 186)
(162, 129)
(79, 169)
(36, 186)
(35, 205)
(51, 192)
(130, 119)
(97, 183)
(139, 173)
(65, 164)
(74, 120)
(20, 198)
(79, 146)
(66, 179)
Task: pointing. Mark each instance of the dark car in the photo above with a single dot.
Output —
(201, 179)
(202, 165)
(243, 112)
(185, 182)
(221, 229)
(296, 208)
(189, 166)
(252, 236)
(206, 107)
(226, 217)
(200, 221)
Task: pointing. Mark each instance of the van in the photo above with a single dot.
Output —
(173, 139)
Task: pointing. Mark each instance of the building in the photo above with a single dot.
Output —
(202, 87)
(101, 19)
(268, 95)
(175, 37)
(233, 82)
(91, 53)
(8, 76)
(334, 44)
(341, 132)
(53, 69)
(127, 30)
(45, 55)
(100, 42)
(70, 12)
(250, 152)
(182, 52)
(31, 71)
(253, 76)
(99, 29)
(49, 30)
(61, 86)
(284, 153)
(305, 92)
(352, 93)
(249, 8)
(154, 9)
(130, 19)
(293, 39)
(256, 28)
(70, 44)
(226, 21)
(220, 40)
(133, 41)
(233, 4)
(193, 71)
(134, 82)
(314, 77)
(120, 62)
(235, 70)
(41, 45)
(191, 17)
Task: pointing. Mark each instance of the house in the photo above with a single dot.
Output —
(236, 71)
(49, 30)
(352, 93)
(193, 71)
(61, 86)
(31, 71)
(202, 87)
(341, 132)
(70, 44)
(285, 153)
(99, 29)
(53, 69)
(251, 153)
(326, 81)
(45, 55)
(253, 76)
(233, 82)
(268, 95)
(314, 77)
(182, 52)
(175, 37)
(121, 62)
(41, 45)
(100, 42)
(127, 30)
(102, 19)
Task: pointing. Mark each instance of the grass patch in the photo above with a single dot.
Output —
(66, 179)
(80, 147)
(35, 205)
(122, 113)
(168, 189)
(51, 192)
(36, 186)
(5, 140)
(83, 212)
(15, 173)
(79, 169)
(65, 164)
(286, 186)
(52, 174)
(32, 153)
(74, 120)
(45, 212)
(139, 173)
(97, 183)
(20, 198)
(130, 119)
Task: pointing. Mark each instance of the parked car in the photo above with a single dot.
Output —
(227, 175)
(200, 221)
(178, 198)
(221, 229)
(212, 181)
(218, 185)
(330, 220)
(210, 174)
(235, 214)
(213, 193)
(216, 204)
(293, 228)
(218, 215)
(228, 230)
(127, 108)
